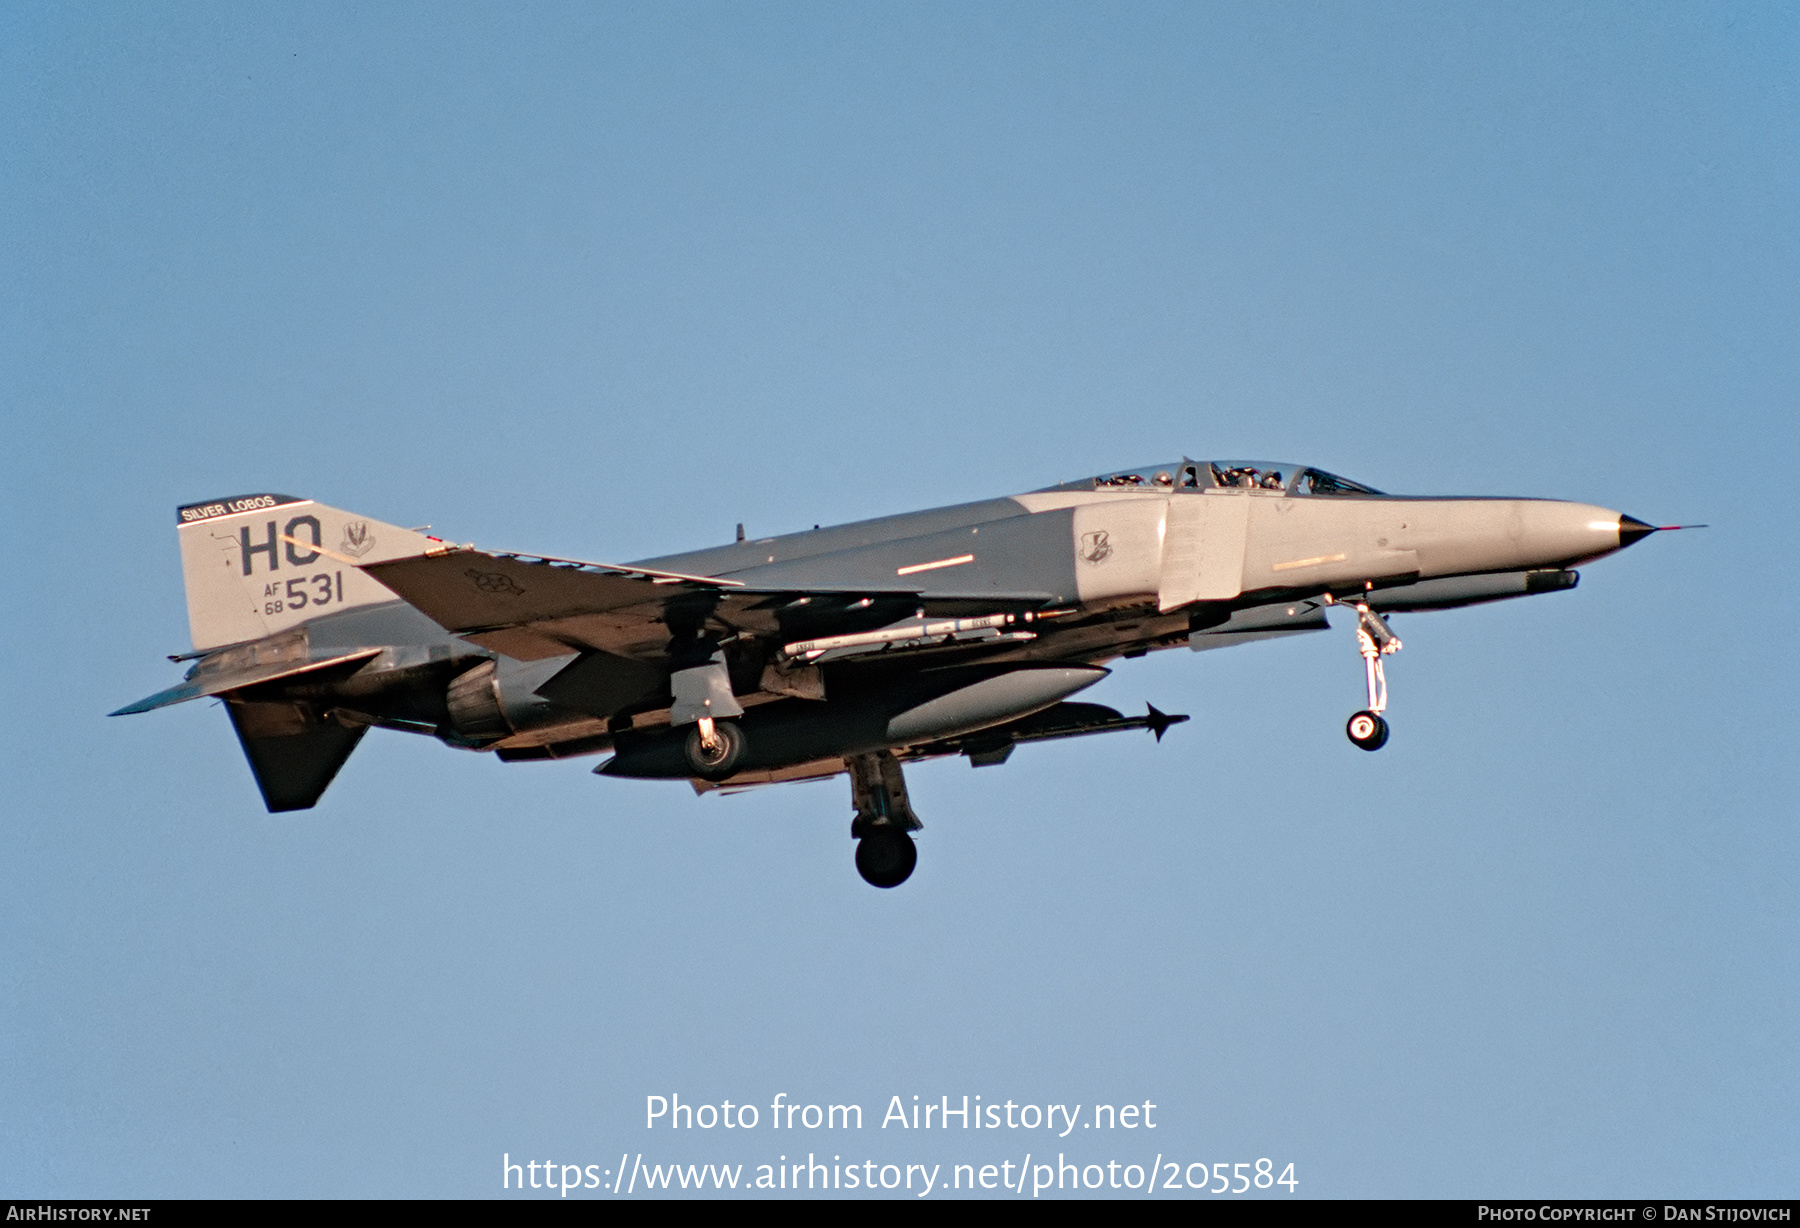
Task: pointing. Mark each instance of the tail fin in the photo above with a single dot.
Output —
(259, 564)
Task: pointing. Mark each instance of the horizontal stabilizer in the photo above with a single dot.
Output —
(293, 754)
(202, 682)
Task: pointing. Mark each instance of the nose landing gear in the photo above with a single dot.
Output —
(1374, 640)
(1367, 730)
(885, 852)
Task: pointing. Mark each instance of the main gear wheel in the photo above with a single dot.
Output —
(886, 857)
(715, 748)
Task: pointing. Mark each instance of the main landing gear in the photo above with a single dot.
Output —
(703, 697)
(885, 852)
(1367, 729)
(714, 748)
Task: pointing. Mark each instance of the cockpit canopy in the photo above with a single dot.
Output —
(1271, 476)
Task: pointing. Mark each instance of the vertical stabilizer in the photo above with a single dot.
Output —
(259, 564)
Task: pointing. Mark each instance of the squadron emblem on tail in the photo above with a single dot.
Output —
(357, 540)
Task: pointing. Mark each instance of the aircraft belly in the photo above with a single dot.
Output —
(549, 735)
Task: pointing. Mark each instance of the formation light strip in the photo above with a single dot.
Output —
(1322, 559)
(958, 561)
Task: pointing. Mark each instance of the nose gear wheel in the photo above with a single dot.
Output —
(1367, 730)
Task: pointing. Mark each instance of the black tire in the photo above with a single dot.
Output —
(1367, 730)
(886, 859)
(723, 759)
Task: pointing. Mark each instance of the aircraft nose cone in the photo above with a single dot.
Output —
(1631, 529)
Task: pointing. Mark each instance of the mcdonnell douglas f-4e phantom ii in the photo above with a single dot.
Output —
(957, 631)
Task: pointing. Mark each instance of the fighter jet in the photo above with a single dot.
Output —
(852, 649)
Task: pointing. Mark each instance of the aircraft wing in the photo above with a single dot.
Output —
(531, 607)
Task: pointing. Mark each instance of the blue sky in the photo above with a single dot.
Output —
(602, 281)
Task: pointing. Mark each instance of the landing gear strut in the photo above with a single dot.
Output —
(885, 852)
(1374, 640)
